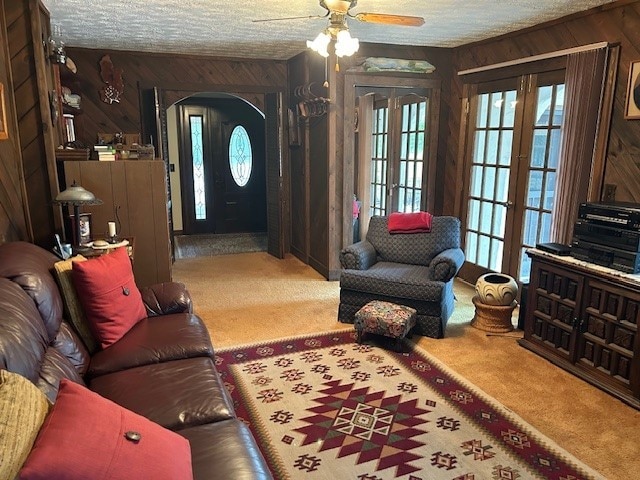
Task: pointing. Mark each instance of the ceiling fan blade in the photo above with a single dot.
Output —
(402, 20)
(290, 18)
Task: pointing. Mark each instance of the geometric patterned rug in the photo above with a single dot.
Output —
(325, 407)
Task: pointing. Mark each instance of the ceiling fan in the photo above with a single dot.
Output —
(339, 10)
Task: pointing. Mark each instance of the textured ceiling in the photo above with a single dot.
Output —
(225, 27)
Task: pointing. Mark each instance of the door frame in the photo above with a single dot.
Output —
(173, 92)
(351, 82)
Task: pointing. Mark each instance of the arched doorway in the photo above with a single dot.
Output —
(221, 151)
(158, 112)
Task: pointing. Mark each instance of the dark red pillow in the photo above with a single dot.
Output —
(86, 436)
(107, 291)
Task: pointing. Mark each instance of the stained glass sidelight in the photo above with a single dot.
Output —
(197, 154)
(240, 156)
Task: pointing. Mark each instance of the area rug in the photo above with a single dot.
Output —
(325, 407)
(207, 245)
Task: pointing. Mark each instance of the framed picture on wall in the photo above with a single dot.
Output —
(632, 107)
(4, 132)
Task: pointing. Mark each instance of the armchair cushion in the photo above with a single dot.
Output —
(359, 256)
(413, 248)
(394, 280)
(446, 264)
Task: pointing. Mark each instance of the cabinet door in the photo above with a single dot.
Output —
(554, 299)
(607, 335)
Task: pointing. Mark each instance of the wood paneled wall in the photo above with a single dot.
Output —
(27, 26)
(13, 215)
(170, 72)
(616, 23)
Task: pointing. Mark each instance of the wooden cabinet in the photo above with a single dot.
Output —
(137, 190)
(584, 318)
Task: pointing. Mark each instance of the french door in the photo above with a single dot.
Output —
(513, 147)
(399, 153)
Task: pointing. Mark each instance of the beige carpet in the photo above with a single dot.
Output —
(248, 297)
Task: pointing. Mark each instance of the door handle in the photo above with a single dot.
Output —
(508, 204)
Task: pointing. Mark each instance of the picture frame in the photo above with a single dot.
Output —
(85, 228)
(632, 105)
(4, 128)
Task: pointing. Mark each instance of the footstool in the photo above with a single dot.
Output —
(385, 318)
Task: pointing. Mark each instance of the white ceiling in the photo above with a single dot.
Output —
(225, 27)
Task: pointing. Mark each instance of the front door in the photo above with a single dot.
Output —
(222, 167)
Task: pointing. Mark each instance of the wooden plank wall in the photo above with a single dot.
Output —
(14, 224)
(167, 71)
(21, 17)
(616, 23)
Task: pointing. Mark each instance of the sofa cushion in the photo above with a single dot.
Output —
(23, 409)
(154, 340)
(175, 394)
(29, 266)
(73, 308)
(110, 298)
(240, 457)
(86, 436)
(23, 337)
(394, 280)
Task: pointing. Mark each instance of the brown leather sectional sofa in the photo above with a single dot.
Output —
(163, 368)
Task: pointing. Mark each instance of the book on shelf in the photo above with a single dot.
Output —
(70, 130)
(103, 148)
(106, 156)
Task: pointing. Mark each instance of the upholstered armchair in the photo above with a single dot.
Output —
(412, 269)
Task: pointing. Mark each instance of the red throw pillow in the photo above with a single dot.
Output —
(87, 436)
(107, 291)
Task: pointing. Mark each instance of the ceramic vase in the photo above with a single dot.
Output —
(496, 289)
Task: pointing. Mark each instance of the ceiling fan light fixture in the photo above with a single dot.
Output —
(346, 45)
(320, 44)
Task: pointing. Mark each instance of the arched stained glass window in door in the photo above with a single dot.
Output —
(240, 156)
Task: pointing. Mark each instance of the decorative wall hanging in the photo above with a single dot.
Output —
(632, 108)
(112, 76)
(4, 128)
(380, 64)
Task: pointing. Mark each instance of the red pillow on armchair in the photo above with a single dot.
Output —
(109, 296)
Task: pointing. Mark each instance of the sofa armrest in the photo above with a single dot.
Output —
(166, 298)
(359, 256)
(446, 264)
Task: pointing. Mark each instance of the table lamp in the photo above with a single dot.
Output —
(75, 195)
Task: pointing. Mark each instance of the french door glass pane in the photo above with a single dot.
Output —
(379, 156)
(489, 183)
(545, 155)
(413, 122)
(197, 153)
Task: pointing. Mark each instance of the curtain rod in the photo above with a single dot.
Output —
(535, 58)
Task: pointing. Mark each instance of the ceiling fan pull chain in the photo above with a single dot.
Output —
(326, 73)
